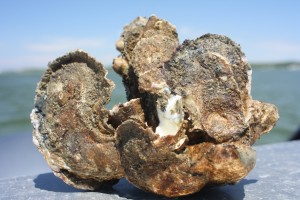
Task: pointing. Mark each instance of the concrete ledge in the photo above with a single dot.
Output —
(276, 176)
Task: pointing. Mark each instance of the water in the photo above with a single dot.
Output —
(280, 87)
(17, 91)
(277, 86)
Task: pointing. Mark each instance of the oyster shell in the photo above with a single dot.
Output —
(207, 92)
(147, 43)
(190, 120)
(70, 122)
(163, 168)
(144, 45)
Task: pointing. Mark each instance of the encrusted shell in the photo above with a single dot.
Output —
(190, 120)
(70, 122)
(148, 43)
(164, 169)
(211, 79)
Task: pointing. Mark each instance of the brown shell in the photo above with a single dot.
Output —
(148, 44)
(207, 83)
(69, 120)
(208, 80)
(165, 171)
(221, 122)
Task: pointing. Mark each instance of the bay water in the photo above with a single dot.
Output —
(280, 86)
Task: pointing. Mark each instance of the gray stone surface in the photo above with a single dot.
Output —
(19, 156)
(276, 176)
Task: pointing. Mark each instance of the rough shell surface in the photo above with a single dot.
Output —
(69, 120)
(148, 44)
(190, 120)
(221, 121)
(164, 169)
(211, 74)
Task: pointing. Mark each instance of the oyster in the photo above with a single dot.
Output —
(189, 121)
(70, 122)
(145, 45)
(207, 122)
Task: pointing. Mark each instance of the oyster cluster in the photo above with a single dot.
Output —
(189, 121)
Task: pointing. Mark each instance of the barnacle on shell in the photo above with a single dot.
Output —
(189, 121)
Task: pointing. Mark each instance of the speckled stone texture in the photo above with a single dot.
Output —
(270, 179)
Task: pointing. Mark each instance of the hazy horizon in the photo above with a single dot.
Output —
(253, 64)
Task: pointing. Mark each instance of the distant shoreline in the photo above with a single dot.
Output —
(40, 70)
(288, 64)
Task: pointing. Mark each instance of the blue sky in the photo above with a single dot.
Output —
(34, 32)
